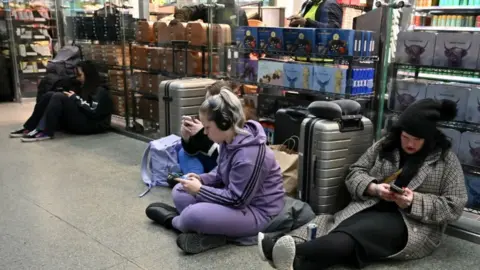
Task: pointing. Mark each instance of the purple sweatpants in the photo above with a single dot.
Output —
(210, 218)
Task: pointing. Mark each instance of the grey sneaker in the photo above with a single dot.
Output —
(284, 253)
(194, 243)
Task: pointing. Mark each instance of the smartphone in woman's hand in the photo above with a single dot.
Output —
(396, 189)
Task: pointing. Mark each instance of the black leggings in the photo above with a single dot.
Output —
(56, 109)
(326, 251)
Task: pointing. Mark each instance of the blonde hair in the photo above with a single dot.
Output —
(225, 105)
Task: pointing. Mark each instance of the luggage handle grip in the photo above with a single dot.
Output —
(312, 172)
(348, 123)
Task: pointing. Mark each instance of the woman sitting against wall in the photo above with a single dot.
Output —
(236, 200)
(87, 110)
(403, 221)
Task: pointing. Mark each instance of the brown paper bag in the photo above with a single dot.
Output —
(288, 161)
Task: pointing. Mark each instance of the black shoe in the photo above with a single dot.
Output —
(265, 246)
(35, 136)
(194, 243)
(19, 133)
(162, 214)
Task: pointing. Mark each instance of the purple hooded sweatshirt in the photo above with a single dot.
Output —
(247, 175)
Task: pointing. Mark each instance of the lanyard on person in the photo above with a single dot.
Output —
(392, 177)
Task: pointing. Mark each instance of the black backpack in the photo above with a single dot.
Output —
(60, 71)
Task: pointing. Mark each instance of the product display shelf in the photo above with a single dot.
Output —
(34, 33)
(449, 69)
(9, 74)
(457, 9)
(312, 59)
(444, 29)
(446, 74)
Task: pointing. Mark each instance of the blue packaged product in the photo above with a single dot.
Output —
(329, 79)
(247, 69)
(270, 72)
(299, 76)
(336, 42)
(367, 45)
(300, 41)
(270, 38)
(246, 37)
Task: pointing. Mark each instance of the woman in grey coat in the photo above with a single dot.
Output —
(381, 223)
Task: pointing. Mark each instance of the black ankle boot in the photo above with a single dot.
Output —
(162, 214)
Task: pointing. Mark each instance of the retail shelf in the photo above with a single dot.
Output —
(456, 9)
(178, 45)
(444, 29)
(442, 77)
(407, 66)
(326, 95)
(311, 56)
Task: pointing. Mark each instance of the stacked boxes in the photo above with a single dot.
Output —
(298, 75)
(406, 92)
(415, 48)
(451, 50)
(307, 41)
(458, 94)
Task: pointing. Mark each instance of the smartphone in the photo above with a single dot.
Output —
(396, 189)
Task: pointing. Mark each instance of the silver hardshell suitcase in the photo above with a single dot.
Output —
(178, 98)
(327, 148)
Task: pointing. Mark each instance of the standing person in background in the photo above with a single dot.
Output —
(318, 14)
(86, 111)
(232, 14)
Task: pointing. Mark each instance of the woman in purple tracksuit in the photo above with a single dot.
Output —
(237, 199)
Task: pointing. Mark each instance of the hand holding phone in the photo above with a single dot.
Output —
(396, 189)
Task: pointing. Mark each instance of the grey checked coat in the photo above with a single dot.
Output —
(439, 198)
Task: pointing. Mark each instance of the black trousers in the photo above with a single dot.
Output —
(326, 251)
(59, 111)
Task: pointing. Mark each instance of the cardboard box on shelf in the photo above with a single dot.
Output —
(297, 75)
(270, 38)
(454, 136)
(406, 92)
(329, 79)
(270, 72)
(469, 150)
(415, 48)
(456, 93)
(300, 41)
(458, 50)
(246, 37)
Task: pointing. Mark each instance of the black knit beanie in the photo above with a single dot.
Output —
(420, 119)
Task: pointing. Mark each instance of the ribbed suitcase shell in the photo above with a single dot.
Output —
(178, 98)
(325, 154)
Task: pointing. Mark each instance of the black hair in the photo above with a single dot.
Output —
(437, 142)
(93, 78)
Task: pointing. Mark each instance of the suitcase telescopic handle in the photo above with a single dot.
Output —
(348, 123)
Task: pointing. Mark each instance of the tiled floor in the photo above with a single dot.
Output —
(71, 203)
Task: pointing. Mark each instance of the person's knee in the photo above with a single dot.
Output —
(193, 217)
(59, 96)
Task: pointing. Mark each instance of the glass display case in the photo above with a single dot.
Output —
(33, 35)
(433, 52)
